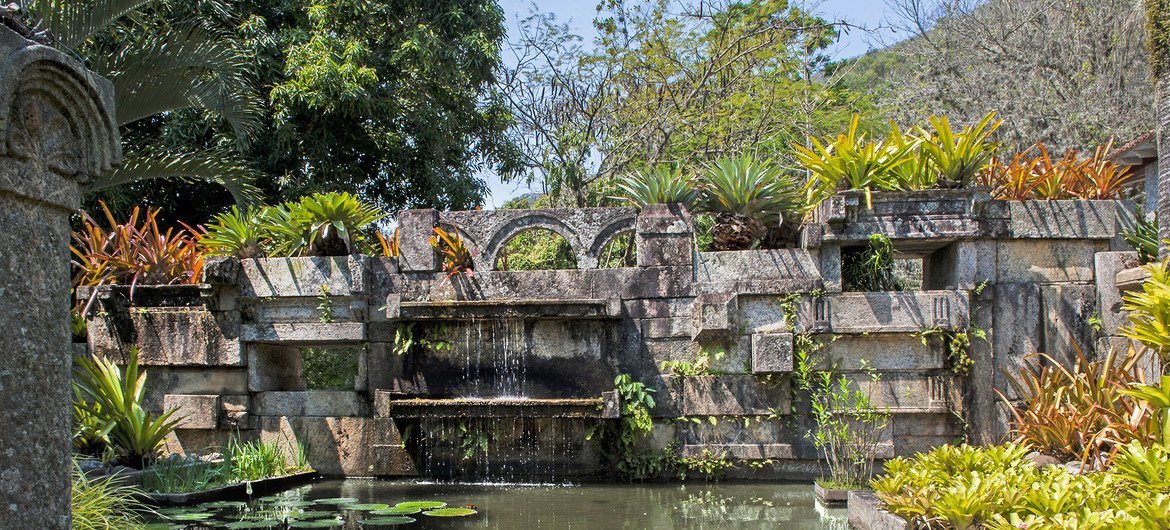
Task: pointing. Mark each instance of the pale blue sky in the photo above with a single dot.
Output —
(868, 14)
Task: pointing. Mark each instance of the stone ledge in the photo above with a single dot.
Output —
(887, 312)
(1131, 279)
(310, 403)
(742, 451)
(1068, 219)
(338, 276)
(304, 332)
(866, 513)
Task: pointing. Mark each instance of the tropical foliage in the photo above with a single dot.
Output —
(113, 397)
(1035, 174)
(870, 267)
(457, 257)
(661, 185)
(1143, 236)
(964, 487)
(1149, 311)
(920, 159)
(104, 503)
(135, 252)
(536, 249)
(1082, 411)
(321, 224)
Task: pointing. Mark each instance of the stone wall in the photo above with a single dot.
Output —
(1030, 276)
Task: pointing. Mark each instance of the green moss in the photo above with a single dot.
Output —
(329, 368)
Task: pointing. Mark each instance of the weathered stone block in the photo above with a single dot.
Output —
(744, 272)
(658, 308)
(771, 353)
(664, 250)
(961, 265)
(885, 351)
(1071, 219)
(169, 336)
(905, 392)
(661, 328)
(309, 277)
(198, 411)
(304, 333)
(1106, 267)
(714, 316)
(415, 228)
(234, 412)
(866, 513)
(765, 314)
(318, 403)
(741, 452)
(1047, 261)
(733, 395)
(393, 461)
(1018, 332)
(896, 312)
(191, 380)
(335, 446)
(1067, 326)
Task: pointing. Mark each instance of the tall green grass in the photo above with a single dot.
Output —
(104, 504)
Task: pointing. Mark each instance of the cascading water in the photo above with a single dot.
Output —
(497, 431)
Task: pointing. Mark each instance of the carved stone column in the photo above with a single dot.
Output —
(57, 130)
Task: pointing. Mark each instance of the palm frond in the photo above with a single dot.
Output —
(190, 67)
(73, 21)
(207, 166)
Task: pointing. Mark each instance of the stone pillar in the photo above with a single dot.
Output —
(57, 130)
(415, 228)
(665, 236)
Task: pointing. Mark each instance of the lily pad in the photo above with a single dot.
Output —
(337, 500)
(450, 512)
(387, 521)
(252, 524)
(191, 516)
(177, 510)
(409, 510)
(366, 507)
(320, 523)
(219, 505)
(312, 514)
(422, 505)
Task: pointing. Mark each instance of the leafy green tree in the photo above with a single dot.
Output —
(670, 81)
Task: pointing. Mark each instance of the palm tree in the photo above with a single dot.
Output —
(157, 70)
(1158, 41)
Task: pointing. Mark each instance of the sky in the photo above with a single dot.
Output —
(868, 14)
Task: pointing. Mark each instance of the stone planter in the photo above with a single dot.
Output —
(866, 513)
(1132, 279)
(830, 496)
(846, 218)
(239, 491)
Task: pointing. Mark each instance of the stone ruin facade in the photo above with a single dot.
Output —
(1035, 276)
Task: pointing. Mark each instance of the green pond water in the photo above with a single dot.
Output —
(359, 504)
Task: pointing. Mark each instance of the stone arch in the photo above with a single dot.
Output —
(607, 234)
(55, 112)
(536, 219)
(565, 258)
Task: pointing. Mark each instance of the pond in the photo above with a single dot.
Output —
(356, 503)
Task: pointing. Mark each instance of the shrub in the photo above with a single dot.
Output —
(321, 224)
(1143, 236)
(1035, 174)
(957, 158)
(1000, 488)
(870, 268)
(457, 256)
(114, 397)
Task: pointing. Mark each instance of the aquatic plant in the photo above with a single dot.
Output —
(104, 504)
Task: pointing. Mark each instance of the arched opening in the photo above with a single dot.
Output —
(619, 251)
(536, 249)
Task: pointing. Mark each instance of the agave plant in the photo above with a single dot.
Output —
(239, 233)
(661, 185)
(851, 161)
(334, 222)
(746, 196)
(959, 157)
(114, 397)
